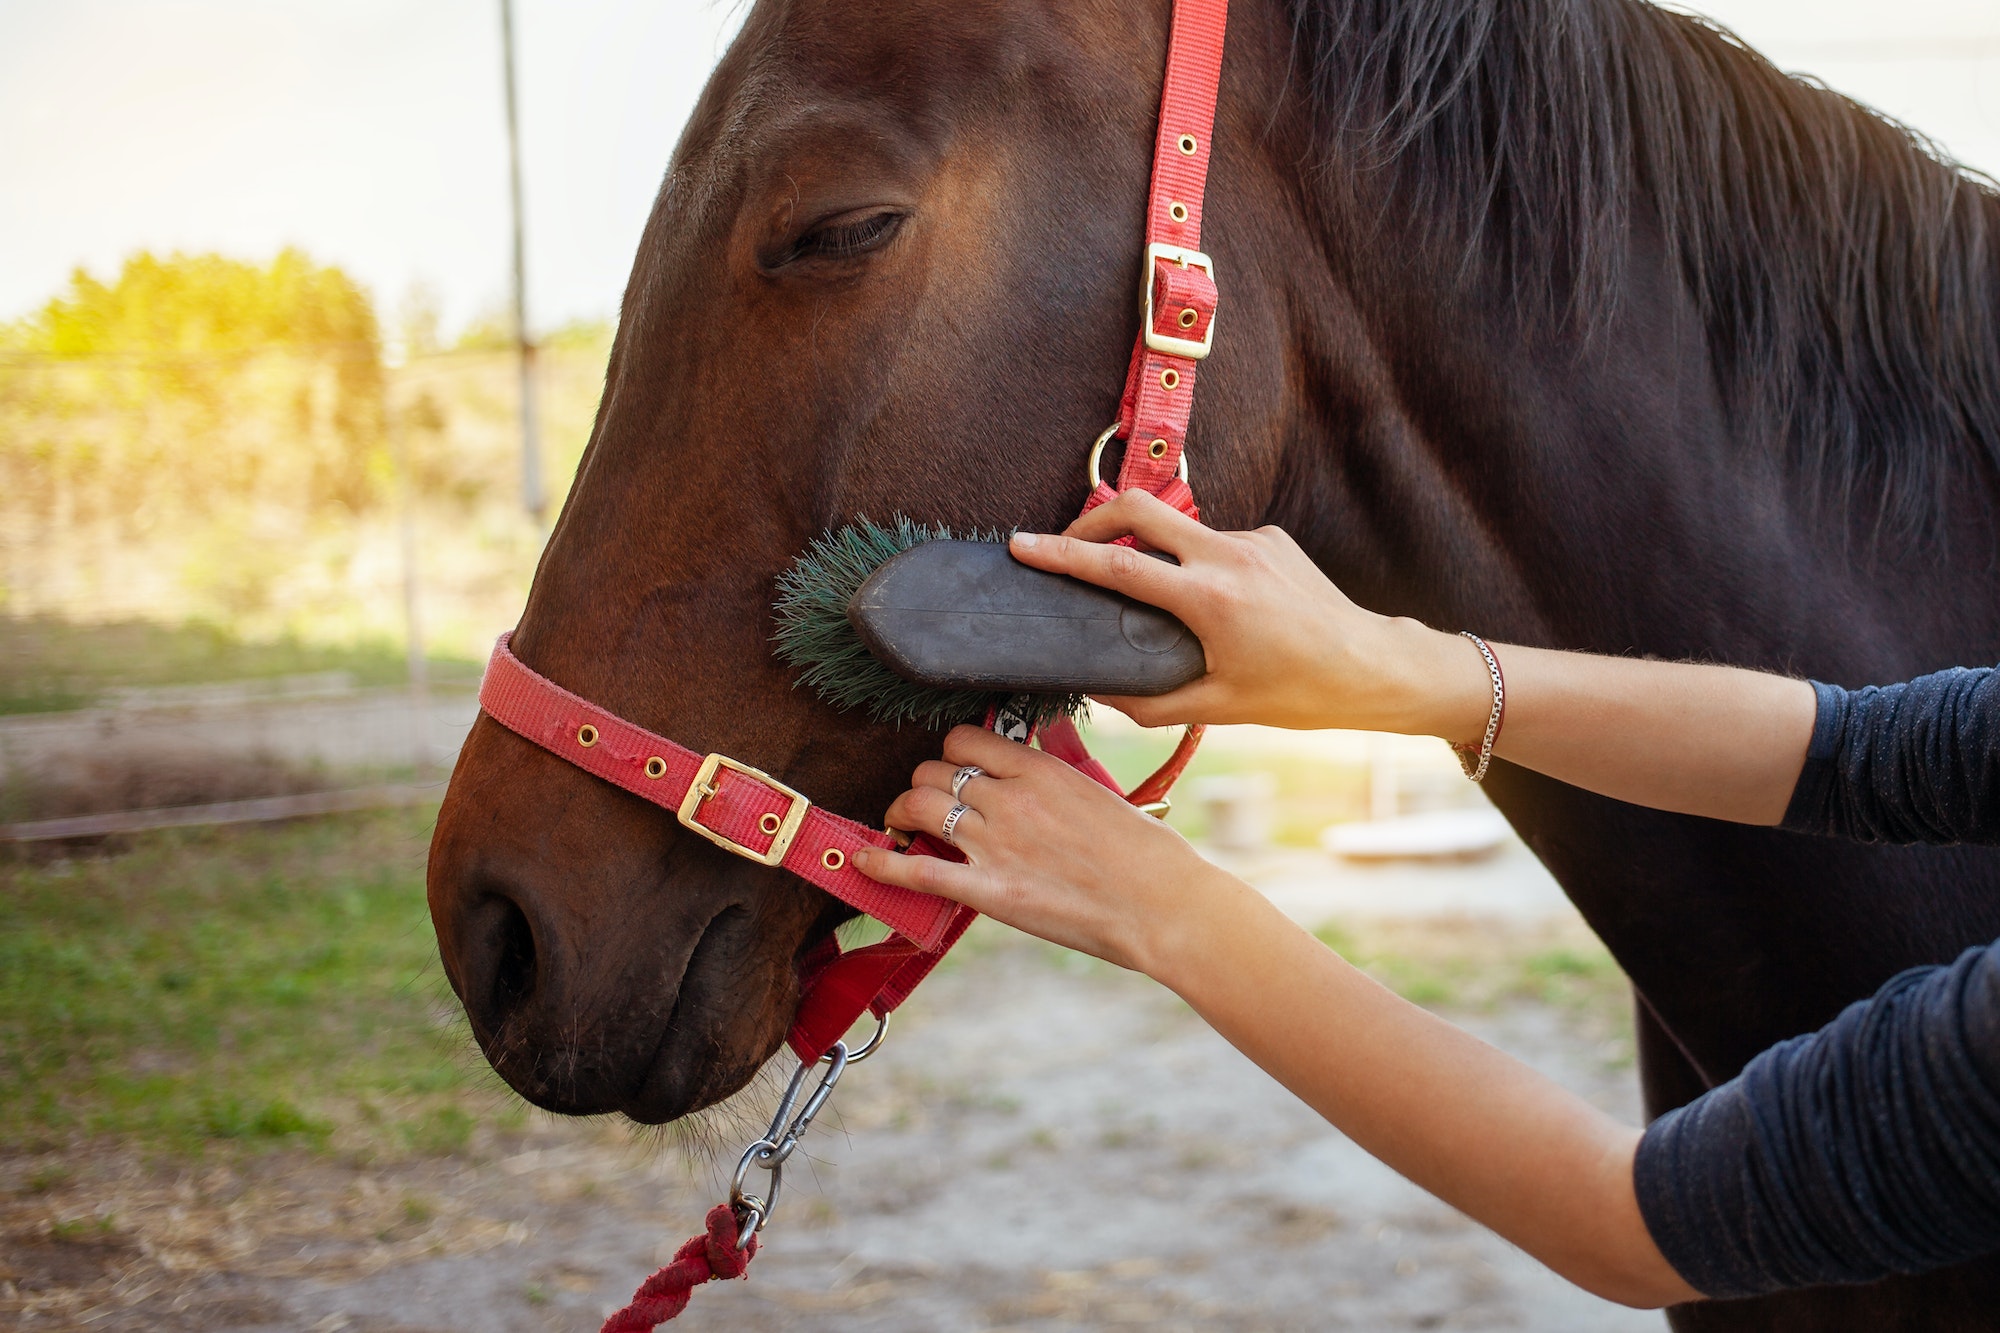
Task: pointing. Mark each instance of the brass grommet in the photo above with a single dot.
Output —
(586, 735)
(1188, 317)
(1158, 449)
(656, 768)
(770, 823)
(1170, 379)
(1187, 145)
(833, 858)
(1177, 211)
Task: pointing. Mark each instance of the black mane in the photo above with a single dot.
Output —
(1846, 269)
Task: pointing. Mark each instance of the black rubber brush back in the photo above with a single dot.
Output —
(967, 615)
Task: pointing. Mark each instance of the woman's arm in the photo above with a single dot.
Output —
(1057, 855)
(1490, 1136)
(1871, 1147)
(1868, 1148)
(1916, 762)
(1287, 649)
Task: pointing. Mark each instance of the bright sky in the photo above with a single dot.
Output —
(370, 132)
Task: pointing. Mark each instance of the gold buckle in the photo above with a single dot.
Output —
(704, 787)
(1194, 349)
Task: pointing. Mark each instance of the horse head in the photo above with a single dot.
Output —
(893, 269)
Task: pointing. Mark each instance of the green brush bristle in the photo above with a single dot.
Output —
(815, 634)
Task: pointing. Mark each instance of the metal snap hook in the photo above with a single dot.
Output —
(781, 1140)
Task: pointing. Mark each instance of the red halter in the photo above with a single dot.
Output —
(754, 815)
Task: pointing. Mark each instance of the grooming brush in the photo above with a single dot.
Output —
(915, 625)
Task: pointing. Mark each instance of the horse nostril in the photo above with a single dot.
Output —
(511, 945)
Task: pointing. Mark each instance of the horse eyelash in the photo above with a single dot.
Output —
(847, 240)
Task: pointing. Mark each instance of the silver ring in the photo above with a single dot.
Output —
(951, 819)
(963, 776)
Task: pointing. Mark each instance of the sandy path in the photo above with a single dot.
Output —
(1039, 1146)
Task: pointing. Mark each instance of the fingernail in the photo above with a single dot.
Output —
(1024, 540)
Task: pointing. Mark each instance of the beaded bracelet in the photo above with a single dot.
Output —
(1474, 758)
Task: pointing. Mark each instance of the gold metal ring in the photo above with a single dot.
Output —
(833, 858)
(656, 768)
(1170, 379)
(1178, 212)
(770, 823)
(1094, 469)
(1188, 316)
(1157, 449)
(1188, 145)
(586, 735)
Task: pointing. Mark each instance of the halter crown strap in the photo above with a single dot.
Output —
(1178, 294)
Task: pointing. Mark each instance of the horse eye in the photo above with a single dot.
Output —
(845, 238)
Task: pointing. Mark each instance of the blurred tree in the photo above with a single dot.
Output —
(203, 437)
(193, 384)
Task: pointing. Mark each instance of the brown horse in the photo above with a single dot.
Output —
(1568, 320)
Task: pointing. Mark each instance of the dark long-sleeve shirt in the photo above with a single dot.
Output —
(1871, 1146)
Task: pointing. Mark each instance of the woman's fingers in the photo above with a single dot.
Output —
(926, 874)
(1000, 757)
(1152, 520)
(1197, 701)
(1083, 550)
(1119, 568)
(1160, 710)
(941, 774)
(934, 773)
(923, 810)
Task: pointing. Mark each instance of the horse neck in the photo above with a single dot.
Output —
(1598, 493)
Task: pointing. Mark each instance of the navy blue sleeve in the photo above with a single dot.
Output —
(1870, 1147)
(1917, 762)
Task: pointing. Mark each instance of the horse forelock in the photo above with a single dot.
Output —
(1847, 269)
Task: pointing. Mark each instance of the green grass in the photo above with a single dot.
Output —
(1461, 965)
(47, 664)
(262, 986)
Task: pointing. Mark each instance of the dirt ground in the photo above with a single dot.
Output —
(1043, 1143)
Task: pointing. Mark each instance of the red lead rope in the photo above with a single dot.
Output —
(754, 815)
(665, 1294)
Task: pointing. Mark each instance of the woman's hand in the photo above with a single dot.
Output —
(1285, 647)
(1053, 853)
